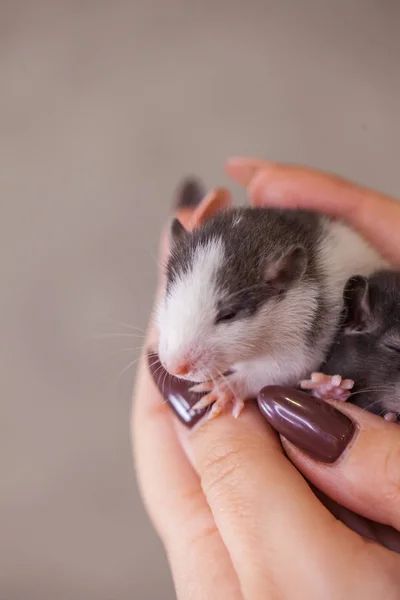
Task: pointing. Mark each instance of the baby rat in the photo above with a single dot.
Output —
(253, 298)
(366, 350)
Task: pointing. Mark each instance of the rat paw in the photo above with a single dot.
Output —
(205, 386)
(328, 387)
(219, 395)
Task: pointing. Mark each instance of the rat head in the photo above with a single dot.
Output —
(227, 293)
(368, 348)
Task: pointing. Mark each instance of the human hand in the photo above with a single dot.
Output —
(238, 520)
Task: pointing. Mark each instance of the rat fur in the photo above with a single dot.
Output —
(254, 297)
(367, 347)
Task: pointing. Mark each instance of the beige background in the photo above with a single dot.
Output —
(104, 105)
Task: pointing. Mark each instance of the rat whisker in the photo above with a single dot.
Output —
(158, 369)
(371, 405)
(160, 265)
(165, 375)
(153, 357)
(160, 373)
(120, 350)
(104, 336)
(128, 325)
(152, 364)
(372, 389)
(129, 366)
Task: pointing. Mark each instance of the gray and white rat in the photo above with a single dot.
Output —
(253, 298)
(366, 351)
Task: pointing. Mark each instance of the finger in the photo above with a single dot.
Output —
(259, 501)
(175, 501)
(351, 455)
(243, 169)
(171, 488)
(376, 216)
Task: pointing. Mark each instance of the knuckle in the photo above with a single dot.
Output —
(223, 469)
(194, 519)
(202, 535)
(191, 500)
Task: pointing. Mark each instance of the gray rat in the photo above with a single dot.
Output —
(366, 351)
(253, 298)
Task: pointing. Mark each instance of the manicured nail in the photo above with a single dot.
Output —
(313, 425)
(189, 194)
(176, 392)
(355, 522)
(383, 534)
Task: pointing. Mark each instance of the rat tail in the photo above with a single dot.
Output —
(190, 193)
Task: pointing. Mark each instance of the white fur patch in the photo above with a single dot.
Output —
(344, 253)
(188, 309)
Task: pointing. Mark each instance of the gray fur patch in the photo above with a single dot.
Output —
(372, 359)
(251, 242)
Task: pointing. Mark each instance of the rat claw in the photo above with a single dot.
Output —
(336, 380)
(218, 406)
(316, 380)
(238, 406)
(219, 395)
(221, 403)
(317, 377)
(216, 410)
(328, 387)
(347, 384)
(206, 401)
(309, 384)
(204, 386)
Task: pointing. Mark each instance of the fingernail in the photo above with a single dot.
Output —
(242, 169)
(383, 534)
(176, 392)
(313, 425)
(189, 194)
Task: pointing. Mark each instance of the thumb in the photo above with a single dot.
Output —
(349, 454)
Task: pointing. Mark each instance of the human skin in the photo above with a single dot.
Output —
(230, 499)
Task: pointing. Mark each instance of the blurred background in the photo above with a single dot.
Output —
(104, 107)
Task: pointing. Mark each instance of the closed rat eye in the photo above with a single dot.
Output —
(227, 314)
(393, 347)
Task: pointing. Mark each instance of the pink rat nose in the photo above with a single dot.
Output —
(182, 368)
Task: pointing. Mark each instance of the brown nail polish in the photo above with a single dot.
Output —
(383, 534)
(176, 392)
(313, 425)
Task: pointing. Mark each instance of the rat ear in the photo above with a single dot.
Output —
(189, 194)
(287, 268)
(357, 303)
(214, 202)
(176, 231)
